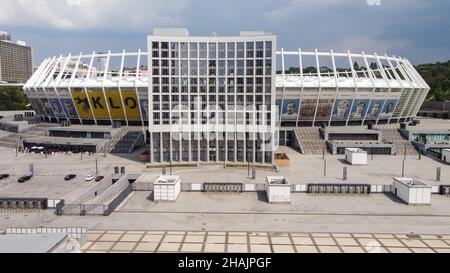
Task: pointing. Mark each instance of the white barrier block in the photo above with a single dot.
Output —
(196, 187)
(373, 188)
(301, 188)
(249, 187)
(435, 189)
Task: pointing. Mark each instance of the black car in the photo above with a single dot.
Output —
(24, 179)
(69, 177)
(4, 176)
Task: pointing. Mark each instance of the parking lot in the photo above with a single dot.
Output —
(49, 173)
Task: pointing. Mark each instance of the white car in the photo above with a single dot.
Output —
(89, 178)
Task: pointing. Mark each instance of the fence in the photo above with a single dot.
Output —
(104, 204)
(23, 203)
(222, 187)
(361, 189)
(193, 187)
(96, 190)
(75, 232)
(113, 191)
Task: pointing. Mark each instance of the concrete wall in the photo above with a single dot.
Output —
(279, 193)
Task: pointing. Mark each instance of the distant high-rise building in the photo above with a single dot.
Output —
(16, 60)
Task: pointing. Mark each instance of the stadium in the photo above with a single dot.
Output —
(279, 89)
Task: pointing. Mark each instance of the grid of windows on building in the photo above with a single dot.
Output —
(424, 138)
(205, 83)
(16, 62)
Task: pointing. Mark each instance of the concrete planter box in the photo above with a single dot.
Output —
(412, 192)
(281, 160)
(166, 188)
(356, 156)
(278, 190)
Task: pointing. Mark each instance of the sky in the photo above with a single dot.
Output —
(415, 29)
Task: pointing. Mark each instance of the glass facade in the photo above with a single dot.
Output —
(210, 85)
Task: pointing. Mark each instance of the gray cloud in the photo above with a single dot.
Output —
(416, 29)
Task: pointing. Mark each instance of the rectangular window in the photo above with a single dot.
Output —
(240, 50)
(193, 50)
(230, 50)
(230, 65)
(194, 70)
(203, 50)
(212, 50)
(221, 50)
(174, 50)
(184, 50)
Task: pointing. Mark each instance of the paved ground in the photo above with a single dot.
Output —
(50, 171)
(111, 241)
(301, 203)
(245, 213)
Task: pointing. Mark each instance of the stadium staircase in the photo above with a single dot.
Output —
(126, 140)
(38, 130)
(310, 140)
(10, 140)
(393, 135)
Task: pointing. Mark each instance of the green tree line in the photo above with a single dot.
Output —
(438, 78)
(13, 99)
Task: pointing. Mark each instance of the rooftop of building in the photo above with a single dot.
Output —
(430, 125)
(184, 32)
(411, 182)
(30, 243)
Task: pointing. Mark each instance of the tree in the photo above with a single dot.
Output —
(438, 78)
(13, 99)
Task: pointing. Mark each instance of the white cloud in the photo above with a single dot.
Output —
(91, 14)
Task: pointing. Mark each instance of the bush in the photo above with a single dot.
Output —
(13, 99)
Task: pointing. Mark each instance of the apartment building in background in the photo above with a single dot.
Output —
(16, 60)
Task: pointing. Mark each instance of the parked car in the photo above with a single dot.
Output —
(4, 176)
(69, 177)
(24, 179)
(99, 178)
(89, 177)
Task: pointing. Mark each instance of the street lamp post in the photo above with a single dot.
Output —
(403, 168)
